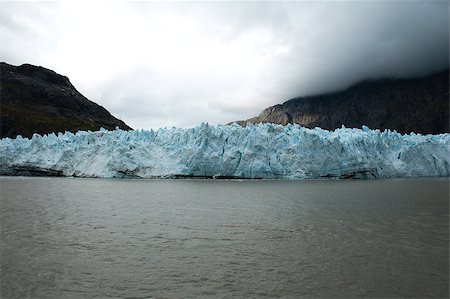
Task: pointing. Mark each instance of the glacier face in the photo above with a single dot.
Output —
(256, 151)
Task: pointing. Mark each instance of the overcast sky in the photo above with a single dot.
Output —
(157, 64)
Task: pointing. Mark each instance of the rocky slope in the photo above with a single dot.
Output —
(418, 105)
(37, 100)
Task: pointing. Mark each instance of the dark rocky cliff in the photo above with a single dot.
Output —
(37, 100)
(418, 105)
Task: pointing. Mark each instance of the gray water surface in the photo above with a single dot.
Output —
(84, 238)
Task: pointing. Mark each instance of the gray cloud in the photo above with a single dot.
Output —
(177, 64)
(371, 40)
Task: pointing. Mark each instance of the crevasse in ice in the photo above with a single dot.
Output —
(255, 151)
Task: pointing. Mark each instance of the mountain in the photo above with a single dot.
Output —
(38, 100)
(419, 105)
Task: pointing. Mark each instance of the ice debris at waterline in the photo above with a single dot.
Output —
(256, 151)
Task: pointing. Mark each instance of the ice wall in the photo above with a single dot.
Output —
(256, 151)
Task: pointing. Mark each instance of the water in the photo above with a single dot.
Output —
(82, 238)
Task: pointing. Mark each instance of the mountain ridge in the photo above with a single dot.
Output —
(35, 99)
(419, 105)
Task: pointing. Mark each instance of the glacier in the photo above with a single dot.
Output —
(257, 151)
